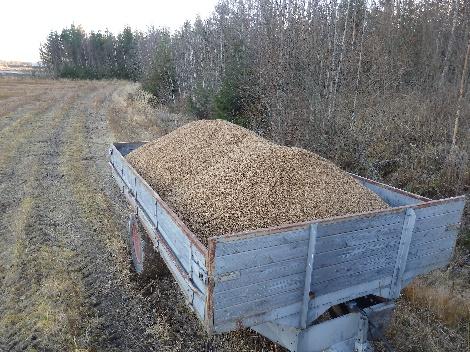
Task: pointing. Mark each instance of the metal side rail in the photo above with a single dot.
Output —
(159, 242)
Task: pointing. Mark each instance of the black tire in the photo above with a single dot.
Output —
(146, 260)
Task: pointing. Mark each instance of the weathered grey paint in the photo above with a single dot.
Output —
(354, 256)
(259, 276)
(183, 258)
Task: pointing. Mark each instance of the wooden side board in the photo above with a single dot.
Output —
(184, 256)
(392, 196)
(252, 277)
(260, 274)
(125, 148)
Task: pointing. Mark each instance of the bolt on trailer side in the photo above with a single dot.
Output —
(278, 281)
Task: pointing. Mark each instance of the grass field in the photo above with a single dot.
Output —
(65, 273)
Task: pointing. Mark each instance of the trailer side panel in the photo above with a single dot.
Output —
(183, 257)
(261, 274)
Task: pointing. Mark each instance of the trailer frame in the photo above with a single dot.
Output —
(287, 309)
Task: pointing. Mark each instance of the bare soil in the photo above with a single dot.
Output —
(66, 281)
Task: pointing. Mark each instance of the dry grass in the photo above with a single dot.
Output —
(134, 116)
(17, 129)
(452, 309)
(42, 296)
(434, 314)
(445, 293)
(52, 307)
(415, 329)
(92, 202)
(18, 96)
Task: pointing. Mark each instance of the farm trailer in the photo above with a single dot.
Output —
(326, 284)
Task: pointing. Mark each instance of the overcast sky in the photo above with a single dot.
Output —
(25, 24)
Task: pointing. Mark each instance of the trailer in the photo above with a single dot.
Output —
(327, 284)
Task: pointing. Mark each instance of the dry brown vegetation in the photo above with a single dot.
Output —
(445, 304)
(65, 275)
(145, 119)
(21, 93)
(446, 293)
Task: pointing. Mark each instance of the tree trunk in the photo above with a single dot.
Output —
(338, 70)
(450, 46)
(359, 65)
(461, 94)
(329, 77)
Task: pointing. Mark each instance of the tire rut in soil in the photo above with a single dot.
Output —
(174, 325)
(69, 284)
(29, 308)
(121, 319)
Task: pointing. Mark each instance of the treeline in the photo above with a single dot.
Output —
(379, 86)
(73, 53)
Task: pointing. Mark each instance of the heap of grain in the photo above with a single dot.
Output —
(221, 178)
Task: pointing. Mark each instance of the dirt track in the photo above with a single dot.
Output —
(65, 276)
(62, 260)
(64, 271)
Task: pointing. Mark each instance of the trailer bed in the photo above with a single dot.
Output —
(292, 274)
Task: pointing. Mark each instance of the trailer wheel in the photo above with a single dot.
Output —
(146, 261)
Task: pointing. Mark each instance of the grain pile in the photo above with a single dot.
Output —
(221, 178)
